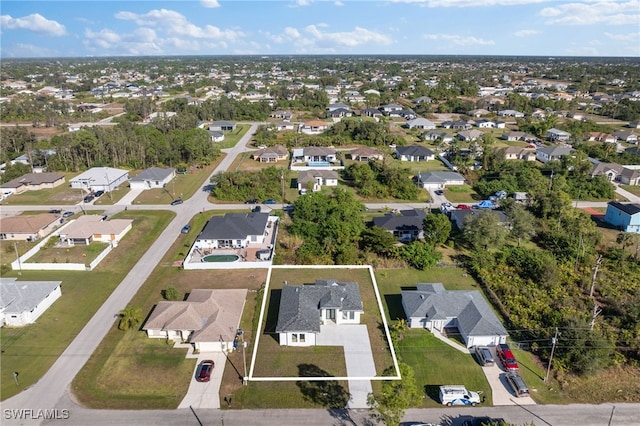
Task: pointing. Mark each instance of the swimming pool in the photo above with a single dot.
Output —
(221, 258)
(318, 163)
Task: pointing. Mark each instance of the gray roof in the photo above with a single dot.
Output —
(414, 151)
(556, 150)
(473, 314)
(629, 208)
(439, 177)
(153, 173)
(300, 305)
(33, 179)
(234, 226)
(406, 221)
(20, 296)
(310, 175)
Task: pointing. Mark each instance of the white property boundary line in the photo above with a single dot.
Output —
(324, 378)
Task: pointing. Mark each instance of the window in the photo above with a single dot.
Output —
(301, 337)
(348, 315)
(294, 337)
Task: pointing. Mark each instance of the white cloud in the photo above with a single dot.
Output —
(176, 24)
(300, 3)
(209, 3)
(526, 33)
(458, 40)
(34, 22)
(594, 12)
(338, 3)
(635, 37)
(21, 50)
(314, 39)
(469, 3)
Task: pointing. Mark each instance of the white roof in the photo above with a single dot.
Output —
(20, 296)
(100, 175)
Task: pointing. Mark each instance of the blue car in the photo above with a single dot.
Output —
(269, 201)
(186, 229)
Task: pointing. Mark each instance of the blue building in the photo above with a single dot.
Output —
(624, 216)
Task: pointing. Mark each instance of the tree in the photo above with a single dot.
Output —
(625, 239)
(129, 318)
(395, 396)
(378, 240)
(170, 293)
(522, 223)
(436, 228)
(419, 255)
(483, 230)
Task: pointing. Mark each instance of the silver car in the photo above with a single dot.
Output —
(485, 358)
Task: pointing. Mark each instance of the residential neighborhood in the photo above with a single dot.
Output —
(251, 233)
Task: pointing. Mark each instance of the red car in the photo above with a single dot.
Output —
(464, 207)
(507, 358)
(205, 371)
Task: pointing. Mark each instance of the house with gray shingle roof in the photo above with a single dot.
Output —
(432, 307)
(552, 153)
(153, 177)
(208, 319)
(304, 308)
(405, 226)
(22, 302)
(438, 180)
(414, 153)
(316, 179)
(233, 230)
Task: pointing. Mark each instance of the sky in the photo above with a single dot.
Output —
(51, 28)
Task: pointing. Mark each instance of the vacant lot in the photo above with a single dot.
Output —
(31, 350)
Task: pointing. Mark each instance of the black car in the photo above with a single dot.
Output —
(251, 201)
(98, 193)
(88, 198)
(439, 192)
(55, 211)
(176, 202)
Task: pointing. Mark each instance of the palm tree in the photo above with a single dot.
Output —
(129, 317)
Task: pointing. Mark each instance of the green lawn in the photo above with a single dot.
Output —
(436, 363)
(634, 189)
(461, 194)
(231, 138)
(74, 254)
(31, 350)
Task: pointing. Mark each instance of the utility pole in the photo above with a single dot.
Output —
(554, 340)
(15, 247)
(596, 308)
(282, 180)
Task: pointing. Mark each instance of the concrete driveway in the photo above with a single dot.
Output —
(354, 338)
(502, 393)
(205, 395)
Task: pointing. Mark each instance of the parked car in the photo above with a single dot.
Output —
(251, 201)
(506, 357)
(206, 367)
(485, 358)
(256, 209)
(88, 198)
(185, 229)
(67, 214)
(269, 201)
(439, 192)
(464, 207)
(176, 202)
(99, 193)
(517, 384)
(55, 211)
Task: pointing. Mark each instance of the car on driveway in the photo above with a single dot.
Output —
(485, 358)
(439, 192)
(88, 198)
(99, 193)
(517, 384)
(206, 367)
(186, 229)
(506, 357)
(176, 202)
(269, 201)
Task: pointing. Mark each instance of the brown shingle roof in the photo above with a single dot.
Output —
(26, 224)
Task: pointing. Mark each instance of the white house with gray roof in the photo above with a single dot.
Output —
(233, 230)
(303, 308)
(438, 180)
(22, 302)
(153, 177)
(432, 307)
(100, 179)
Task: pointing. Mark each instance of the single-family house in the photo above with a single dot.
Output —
(271, 154)
(456, 125)
(388, 109)
(89, 228)
(420, 123)
(159, 115)
(611, 170)
(314, 180)
(282, 126)
(478, 112)
(438, 180)
(222, 126)
(371, 112)
(518, 136)
(630, 176)
(305, 308)
(552, 153)
(437, 135)
(153, 177)
(314, 126)
(233, 230)
(337, 106)
(406, 225)
(100, 179)
(600, 137)
(282, 115)
(510, 113)
(485, 123)
(624, 216)
(556, 135)
(518, 153)
(314, 154)
(469, 135)
(33, 182)
(23, 302)
(628, 136)
(208, 319)
(432, 307)
(461, 217)
(28, 227)
(339, 113)
(216, 135)
(366, 153)
(421, 100)
(414, 153)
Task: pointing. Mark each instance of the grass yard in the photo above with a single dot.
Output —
(73, 254)
(31, 350)
(231, 138)
(112, 197)
(461, 194)
(62, 194)
(634, 189)
(533, 372)
(435, 364)
(182, 186)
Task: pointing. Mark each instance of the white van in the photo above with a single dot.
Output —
(458, 395)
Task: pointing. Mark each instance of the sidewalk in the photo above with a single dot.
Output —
(450, 342)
